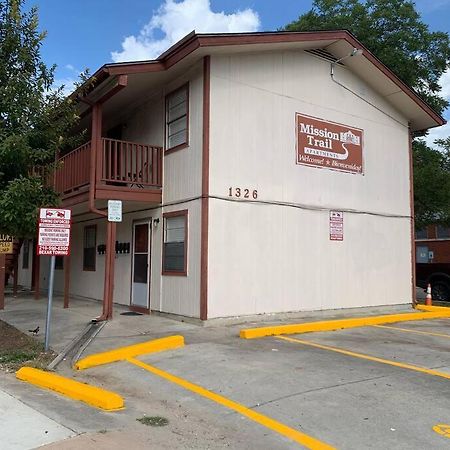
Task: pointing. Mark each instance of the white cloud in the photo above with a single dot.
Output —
(444, 131)
(173, 20)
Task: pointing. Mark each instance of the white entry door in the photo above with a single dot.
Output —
(140, 280)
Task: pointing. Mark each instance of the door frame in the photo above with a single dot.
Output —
(149, 222)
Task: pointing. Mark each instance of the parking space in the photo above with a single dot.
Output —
(369, 387)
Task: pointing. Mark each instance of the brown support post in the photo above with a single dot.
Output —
(2, 280)
(205, 191)
(66, 280)
(108, 288)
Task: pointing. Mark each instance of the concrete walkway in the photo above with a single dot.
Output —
(23, 428)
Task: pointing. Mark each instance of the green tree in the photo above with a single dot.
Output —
(432, 183)
(35, 121)
(394, 32)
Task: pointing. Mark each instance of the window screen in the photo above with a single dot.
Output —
(26, 254)
(177, 118)
(175, 244)
(90, 236)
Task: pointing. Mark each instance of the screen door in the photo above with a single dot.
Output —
(140, 288)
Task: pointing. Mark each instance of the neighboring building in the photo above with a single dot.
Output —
(433, 245)
(259, 173)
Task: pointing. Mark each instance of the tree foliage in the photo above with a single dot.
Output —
(35, 120)
(432, 183)
(394, 32)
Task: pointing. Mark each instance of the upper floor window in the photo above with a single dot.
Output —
(177, 118)
(442, 232)
(422, 234)
(89, 243)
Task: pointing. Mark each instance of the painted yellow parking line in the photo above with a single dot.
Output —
(413, 331)
(295, 435)
(367, 357)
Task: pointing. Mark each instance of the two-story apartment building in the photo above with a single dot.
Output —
(259, 173)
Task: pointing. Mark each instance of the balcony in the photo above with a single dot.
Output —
(124, 171)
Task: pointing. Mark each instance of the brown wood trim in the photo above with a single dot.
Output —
(75, 199)
(144, 195)
(193, 41)
(121, 82)
(185, 144)
(176, 148)
(205, 190)
(139, 309)
(95, 248)
(411, 207)
(181, 212)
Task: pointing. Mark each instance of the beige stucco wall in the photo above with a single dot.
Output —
(273, 258)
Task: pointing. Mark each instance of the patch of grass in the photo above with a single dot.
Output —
(17, 357)
(18, 349)
(154, 421)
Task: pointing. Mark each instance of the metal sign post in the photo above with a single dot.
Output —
(49, 303)
(53, 240)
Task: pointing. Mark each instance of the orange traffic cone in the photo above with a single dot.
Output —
(429, 298)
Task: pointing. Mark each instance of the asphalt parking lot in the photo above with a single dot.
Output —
(369, 387)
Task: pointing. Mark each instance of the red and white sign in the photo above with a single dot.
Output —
(336, 226)
(329, 145)
(54, 232)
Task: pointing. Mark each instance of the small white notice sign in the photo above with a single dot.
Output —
(336, 226)
(114, 210)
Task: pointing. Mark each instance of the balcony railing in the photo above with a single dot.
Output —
(131, 164)
(73, 170)
(123, 164)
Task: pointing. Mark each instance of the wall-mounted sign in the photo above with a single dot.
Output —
(336, 226)
(54, 232)
(115, 210)
(329, 145)
(6, 244)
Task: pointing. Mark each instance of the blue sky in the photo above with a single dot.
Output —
(88, 33)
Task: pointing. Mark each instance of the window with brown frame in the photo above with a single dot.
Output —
(89, 245)
(175, 243)
(421, 233)
(26, 254)
(177, 118)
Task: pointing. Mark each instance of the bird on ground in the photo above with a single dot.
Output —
(35, 331)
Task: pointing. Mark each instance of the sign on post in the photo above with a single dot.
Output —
(54, 232)
(6, 244)
(336, 226)
(53, 240)
(114, 210)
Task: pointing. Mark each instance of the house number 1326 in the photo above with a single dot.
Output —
(242, 193)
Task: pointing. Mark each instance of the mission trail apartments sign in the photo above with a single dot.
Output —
(329, 145)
